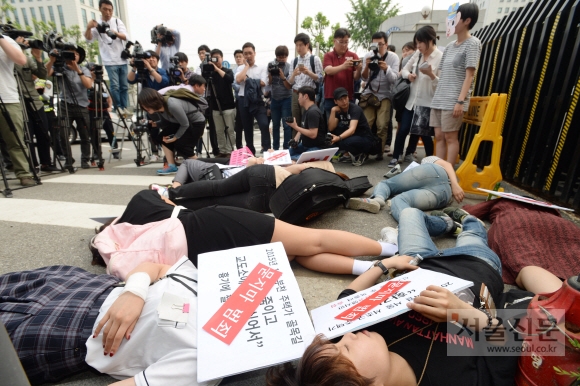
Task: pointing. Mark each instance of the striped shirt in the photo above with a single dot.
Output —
(302, 80)
(457, 58)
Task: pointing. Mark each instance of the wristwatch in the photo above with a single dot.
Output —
(460, 102)
(380, 264)
(80, 73)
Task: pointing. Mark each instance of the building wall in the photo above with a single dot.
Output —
(64, 12)
(403, 27)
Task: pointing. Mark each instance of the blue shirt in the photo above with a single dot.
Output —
(151, 83)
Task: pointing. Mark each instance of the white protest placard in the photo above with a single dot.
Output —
(517, 197)
(317, 155)
(380, 302)
(277, 157)
(237, 330)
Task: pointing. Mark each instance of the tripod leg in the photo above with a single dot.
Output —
(7, 192)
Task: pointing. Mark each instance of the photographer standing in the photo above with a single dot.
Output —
(222, 80)
(155, 78)
(74, 100)
(281, 102)
(168, 43)
(252, 78)
(10, 54)
(380, 72)
(110, 33)
(38, 125)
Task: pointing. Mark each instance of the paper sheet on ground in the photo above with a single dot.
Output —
(277, 157)
(324, 317)
(412, 165)
(527, 200)
(278, 331)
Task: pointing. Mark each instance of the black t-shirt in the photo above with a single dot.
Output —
(354, 113)
(313, 119)
(223, 89)
(209, 229)
(465, 369)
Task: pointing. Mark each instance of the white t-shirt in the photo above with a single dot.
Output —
(159, 352)
(111, 49)
(255, 72)
(8, 88)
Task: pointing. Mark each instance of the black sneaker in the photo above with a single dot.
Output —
(85, 165)
(49, 168)
(455, 229)
(360, 159)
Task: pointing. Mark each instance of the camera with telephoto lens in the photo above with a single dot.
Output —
(11, 31)
(138, 55)
(275, 67)
(97, 69)
(59, 49)
(166, 35)
(328, 139)
(374, 64)
(174, 69)
(207, 68)
(105, 28)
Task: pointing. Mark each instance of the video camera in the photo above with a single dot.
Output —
(12, 32)
(206, 67)
(167, 35)
(57, 48)
(275, 67)
(138, 55)
(374, 64)
(97, 69)
(174, 69)
(105, 28)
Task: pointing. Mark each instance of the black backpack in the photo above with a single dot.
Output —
(307, 195)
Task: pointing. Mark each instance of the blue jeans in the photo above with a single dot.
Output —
(281, 109)
(356, 144)
(296, 152)
(425, 187)
(404, 130)
(416, 229)
(119, 85)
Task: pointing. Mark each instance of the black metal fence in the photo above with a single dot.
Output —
(533, 55)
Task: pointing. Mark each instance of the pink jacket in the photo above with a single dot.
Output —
(125, 246)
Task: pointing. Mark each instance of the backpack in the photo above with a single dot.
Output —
(304, 196)
(312, 68)
(183, 94)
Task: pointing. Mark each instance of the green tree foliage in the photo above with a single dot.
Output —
(366, 19)
(317, 27)
(5, 7)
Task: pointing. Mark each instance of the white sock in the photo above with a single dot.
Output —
(360, 266)
(388, 249)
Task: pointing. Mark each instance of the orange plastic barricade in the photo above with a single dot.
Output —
(488, 113)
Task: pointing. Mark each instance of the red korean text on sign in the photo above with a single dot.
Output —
(227, 322)
(371, 301)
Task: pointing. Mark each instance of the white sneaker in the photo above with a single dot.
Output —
(393, 172)
(389, 235)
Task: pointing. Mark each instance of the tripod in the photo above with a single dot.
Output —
(28, 105)
(140, 127)
(98, 118)
(211, 85)
(7, 191)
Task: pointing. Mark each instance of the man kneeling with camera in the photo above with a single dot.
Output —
(350, 128)
(182, 119)
(311, 136)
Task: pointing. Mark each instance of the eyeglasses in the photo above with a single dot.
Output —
(381, 44)
(341, 42)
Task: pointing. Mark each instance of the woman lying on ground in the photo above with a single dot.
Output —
(428, 186)
(412, 348)
(217, 228)
(250, 188)
(62, 320)
(523, 234)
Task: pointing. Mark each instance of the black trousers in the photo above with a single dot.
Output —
(80, 115)
(249, 189)
(38, 127)
(184, 146)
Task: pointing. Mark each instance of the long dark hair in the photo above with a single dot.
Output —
(150, 99)
(426, 34)
(97, 258)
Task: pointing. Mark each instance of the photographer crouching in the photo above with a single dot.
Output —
(74, 100)
(182, 119)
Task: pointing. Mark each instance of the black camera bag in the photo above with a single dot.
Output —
(307, 195)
